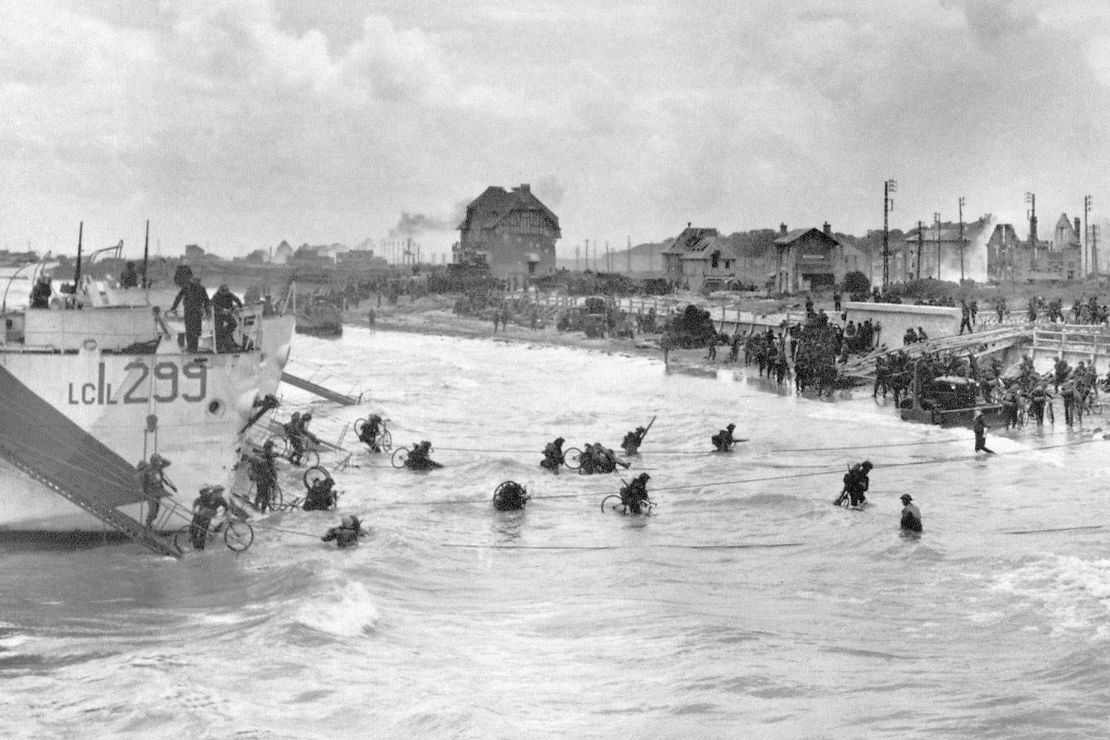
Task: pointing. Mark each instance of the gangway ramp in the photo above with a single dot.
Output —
(342, 399)
(979, 343)
(46, 445)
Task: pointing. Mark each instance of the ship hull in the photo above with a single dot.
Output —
(189, 408)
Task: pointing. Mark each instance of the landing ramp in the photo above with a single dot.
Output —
(319, 390)
(46, 445)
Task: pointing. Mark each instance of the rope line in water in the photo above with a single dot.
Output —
(1057, 529)
(752, 546)
(653, 452)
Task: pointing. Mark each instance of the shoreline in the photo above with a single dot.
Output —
(436, 321)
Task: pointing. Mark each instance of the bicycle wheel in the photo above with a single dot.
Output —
(313, 475)
(399, 457)
(276, 498)
(282, 447)
(1096, 408)
(311, 458)
(385, 441)
(359, 424)
(612, 502)
(183, 538)
(238, 535)
(572, 458)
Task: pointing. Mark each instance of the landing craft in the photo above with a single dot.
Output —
(98, 381)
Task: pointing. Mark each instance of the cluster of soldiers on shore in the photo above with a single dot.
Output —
(1084, 310)
(813, 348)
(1022, 393)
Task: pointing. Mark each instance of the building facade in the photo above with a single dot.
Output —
(808, 259)
(701, 259)
(512, 230)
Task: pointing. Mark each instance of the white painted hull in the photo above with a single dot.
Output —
(199, 410)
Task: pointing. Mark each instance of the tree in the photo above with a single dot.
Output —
(856, 283)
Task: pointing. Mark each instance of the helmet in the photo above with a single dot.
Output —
(867, 464)
(731, 426)
(644, 476)
(348, 521)
(296, 415)
(306, 416)
(906, 498)
(157, 459)
(559, 440)
(268, 444)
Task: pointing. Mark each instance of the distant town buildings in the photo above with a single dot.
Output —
(941, 251)
(1057, 259)
(512, 230)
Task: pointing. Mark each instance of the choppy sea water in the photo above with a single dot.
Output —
(746, 606)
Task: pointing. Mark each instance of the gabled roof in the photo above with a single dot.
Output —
(693, 240)
(796, 234)
(495, 203)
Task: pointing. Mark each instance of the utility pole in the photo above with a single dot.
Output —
(1094, 248)
(936, 223)
(962, 201)
(629, 254)
(1031, 199)
(920, 248)
(608, 257)
(1092, 264)
(889, 186)
(576, 257)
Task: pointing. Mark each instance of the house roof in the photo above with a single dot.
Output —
(698, 243)
(496, 203)
(795, 234)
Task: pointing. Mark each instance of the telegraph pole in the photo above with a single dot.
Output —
(889, 186)
(629, 254)
(920, 248)
(1092, 263)
(1031, 199)
(936, 223)
(962, 201)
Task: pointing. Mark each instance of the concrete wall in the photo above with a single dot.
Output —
(937, 321)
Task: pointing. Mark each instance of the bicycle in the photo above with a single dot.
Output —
(237, 535)
(614, 503)
(384, 439)
(399, 456)
(309, 457)
(278, 501)
(1091, 405)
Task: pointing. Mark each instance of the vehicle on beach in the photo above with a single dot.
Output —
(319, 317)
(949, 400)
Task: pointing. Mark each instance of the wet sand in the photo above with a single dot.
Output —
(433, 315)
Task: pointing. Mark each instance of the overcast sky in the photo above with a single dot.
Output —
(241, 123)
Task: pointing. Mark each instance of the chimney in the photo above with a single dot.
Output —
(782, 229)
(1078, 230)
(827, 229)
(525, 187)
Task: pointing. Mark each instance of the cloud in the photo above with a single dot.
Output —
(248, 121)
